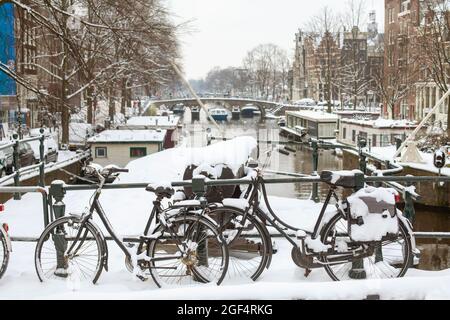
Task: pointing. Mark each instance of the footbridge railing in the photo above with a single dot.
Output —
(54, 207)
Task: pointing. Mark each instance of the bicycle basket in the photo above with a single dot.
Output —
(372, 214)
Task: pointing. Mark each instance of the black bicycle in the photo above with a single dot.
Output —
(178, 246)
(331, 245)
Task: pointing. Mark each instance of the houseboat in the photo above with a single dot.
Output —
(310, 124)
(219, 114)
(378, 133)
(249, 111)
(236, 113)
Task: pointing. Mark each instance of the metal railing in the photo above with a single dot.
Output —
(18, 171)
(54, 207)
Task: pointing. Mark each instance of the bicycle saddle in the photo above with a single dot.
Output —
(345, 179)
(161, 191)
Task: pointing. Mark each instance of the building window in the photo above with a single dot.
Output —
(101, 152)
(138, 152)
(405, 6)
(391, 15)
(354, 135)
(344, 133)
(374, 140)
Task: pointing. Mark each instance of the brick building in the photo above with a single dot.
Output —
(400, 67)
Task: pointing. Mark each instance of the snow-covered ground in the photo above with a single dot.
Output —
(387, 153)
(128, 211)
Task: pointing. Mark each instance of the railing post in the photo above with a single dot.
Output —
(362, 143)
(16, 165)
(42, 159)
(357, 271)
(315, 163)
(409, 210)
(199, 189)
(57, 191)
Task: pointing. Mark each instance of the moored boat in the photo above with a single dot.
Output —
(179, 109)
(249, 111)
(219, 114)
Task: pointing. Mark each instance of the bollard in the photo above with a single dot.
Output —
(42, 159)
(16, 165)
(315, 159)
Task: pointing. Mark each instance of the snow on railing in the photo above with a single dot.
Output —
(33, 170)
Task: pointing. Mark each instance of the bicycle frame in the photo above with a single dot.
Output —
(254, 203)
(96, 207)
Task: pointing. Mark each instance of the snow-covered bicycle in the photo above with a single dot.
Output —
(366, 237)
(177, 247)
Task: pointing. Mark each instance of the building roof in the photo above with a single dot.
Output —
(129, 136)
(382, 123)
(314, 115)
(155, 121)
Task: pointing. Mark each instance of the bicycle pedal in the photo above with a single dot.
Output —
(142, 278)
(307, 272)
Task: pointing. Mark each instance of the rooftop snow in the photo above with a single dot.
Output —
(169, 121)
(129, 136)
(313, 115)
(382, 123)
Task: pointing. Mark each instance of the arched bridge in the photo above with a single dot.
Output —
(228, 103)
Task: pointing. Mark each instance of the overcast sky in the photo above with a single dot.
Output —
(224, 30)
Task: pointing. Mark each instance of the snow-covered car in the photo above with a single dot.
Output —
(26, 158)
(50, 146)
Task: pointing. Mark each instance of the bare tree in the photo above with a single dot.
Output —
(396, 80)
(79, 55)
(326, 27)
(433, 44)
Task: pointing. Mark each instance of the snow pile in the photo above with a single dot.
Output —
(232, 153)
(376, 208)
(389, 123)
(338, 175)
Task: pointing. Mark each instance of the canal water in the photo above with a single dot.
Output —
(267, 133)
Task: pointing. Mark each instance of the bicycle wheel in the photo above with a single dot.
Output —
(384, 259)
(4, 254)
(249, 243)
(83, 263)
(190, 251)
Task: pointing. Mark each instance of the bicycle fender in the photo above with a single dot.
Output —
(8, 240)
(409, 227)
(105, 245)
